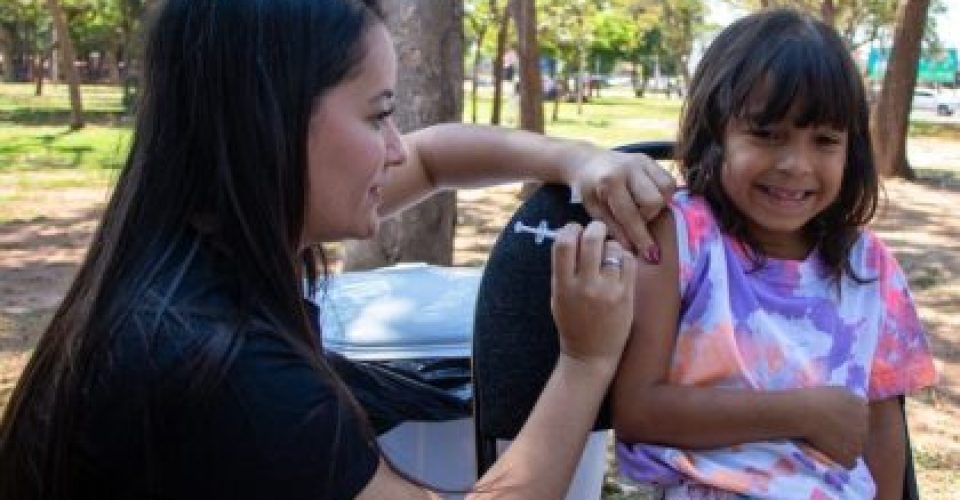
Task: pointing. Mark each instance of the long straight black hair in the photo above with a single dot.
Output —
(220, 143)
(801, 63)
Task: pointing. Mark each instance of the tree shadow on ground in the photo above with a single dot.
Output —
(28, 116)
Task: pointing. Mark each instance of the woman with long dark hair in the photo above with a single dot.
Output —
(182, 362)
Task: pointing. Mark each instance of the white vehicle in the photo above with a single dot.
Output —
(942, 103)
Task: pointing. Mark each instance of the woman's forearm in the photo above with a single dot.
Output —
(461, 155)
(543, 458)
(454, 155)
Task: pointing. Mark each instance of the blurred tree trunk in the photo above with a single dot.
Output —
(828, 12)
(428, 37)
(531, 83)
(890, 119)
(67, 55)
(6, 53)
(38, 74)
(475, 75)
(503, 32)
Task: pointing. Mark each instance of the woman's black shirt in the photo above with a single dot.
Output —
(196, 398)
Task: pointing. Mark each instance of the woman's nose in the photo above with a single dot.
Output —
(396, 151)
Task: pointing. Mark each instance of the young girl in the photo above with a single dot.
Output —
(184, 362)
(771, 368)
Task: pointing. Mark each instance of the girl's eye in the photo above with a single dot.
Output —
(828, 139)
(764, 134)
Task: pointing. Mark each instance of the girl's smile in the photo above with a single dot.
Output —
(780, 176)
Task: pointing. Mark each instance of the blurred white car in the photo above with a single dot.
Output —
(942, 103)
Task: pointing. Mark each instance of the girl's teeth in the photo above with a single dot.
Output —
(787, 194)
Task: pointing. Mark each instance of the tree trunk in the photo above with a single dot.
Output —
(531, 83)
(6, 53)
(557, 95)
(828, 12)
(476, 75)
(67, 54)
(113, 65)
(38, 74)
(503, 32)
(891, 117)
(580, 88)
(429, 41)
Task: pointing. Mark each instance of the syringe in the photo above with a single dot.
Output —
(541, 232)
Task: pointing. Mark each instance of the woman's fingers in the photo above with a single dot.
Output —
(564, 254)
(592, 300)
(611, 264)
(627, 192)
(591, 248)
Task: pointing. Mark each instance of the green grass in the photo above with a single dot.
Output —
(616, 118)
(34, 133)
(46, 146)
(19, 105)
(940, 130)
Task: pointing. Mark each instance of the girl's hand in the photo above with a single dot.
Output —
(624, 190)
(835, 421)
(592, 301)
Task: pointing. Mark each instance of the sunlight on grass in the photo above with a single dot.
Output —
(20, 96)
(616, 118)
(93, 147)
(34, 135)
(26, 194)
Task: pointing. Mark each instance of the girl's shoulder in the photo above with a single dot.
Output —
(695, 222)
(871, 256)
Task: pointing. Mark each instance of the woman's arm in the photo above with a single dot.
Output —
(886, 448)
(624, 190)
(541, 460)
(646, 408)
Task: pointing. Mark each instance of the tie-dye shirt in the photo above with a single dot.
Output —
(779, 327)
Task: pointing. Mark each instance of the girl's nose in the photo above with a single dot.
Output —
(797, 159)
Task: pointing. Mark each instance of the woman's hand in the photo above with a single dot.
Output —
(624, 190)
(592, 301)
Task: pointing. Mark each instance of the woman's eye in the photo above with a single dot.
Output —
(380, 118)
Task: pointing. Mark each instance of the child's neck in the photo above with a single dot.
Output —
(783, 246)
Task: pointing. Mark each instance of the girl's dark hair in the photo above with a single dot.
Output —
(806, 69)
(220, 142)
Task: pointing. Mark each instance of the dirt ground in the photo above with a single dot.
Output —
(41, 249)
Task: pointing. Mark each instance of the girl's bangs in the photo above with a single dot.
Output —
(799, 79)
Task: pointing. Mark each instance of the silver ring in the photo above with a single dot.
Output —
(612, 262)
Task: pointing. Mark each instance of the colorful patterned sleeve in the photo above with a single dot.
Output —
(695, 228)
(902, 362)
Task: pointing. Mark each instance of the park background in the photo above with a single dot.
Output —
(611, 71)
